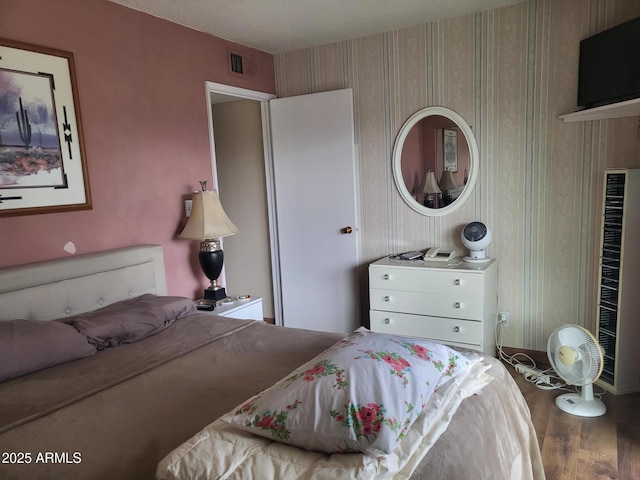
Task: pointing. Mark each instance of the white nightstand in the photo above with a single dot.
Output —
(250, 309)
(453, 304)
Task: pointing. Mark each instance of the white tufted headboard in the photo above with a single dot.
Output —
(72, 285)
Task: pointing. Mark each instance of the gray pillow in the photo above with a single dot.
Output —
(131, 320)
(30, 345)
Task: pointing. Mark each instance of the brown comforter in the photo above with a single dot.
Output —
(117, 414)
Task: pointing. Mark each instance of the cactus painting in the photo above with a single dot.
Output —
(42, 162)
(24, 127)
(27, 107)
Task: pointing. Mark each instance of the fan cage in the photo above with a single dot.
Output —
(589, 362)
(475, 231)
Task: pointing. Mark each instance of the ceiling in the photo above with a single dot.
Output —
(277, 26)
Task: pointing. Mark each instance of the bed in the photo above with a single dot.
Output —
(131, 411)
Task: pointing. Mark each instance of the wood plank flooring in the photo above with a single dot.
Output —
(576, 448)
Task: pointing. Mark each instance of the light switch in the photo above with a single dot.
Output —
(187, 207)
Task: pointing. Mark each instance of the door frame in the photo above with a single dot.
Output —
(263, 98)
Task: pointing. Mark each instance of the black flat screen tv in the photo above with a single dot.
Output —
(610, 66)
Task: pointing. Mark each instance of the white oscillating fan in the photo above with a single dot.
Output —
(476, 236)
(577, 357)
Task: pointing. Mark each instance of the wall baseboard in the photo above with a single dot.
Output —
(537, 356)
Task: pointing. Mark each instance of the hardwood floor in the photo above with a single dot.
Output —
(576, 448)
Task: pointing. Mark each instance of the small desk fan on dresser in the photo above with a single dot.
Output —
(476, 236)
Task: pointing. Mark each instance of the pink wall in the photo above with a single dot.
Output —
(141, 85)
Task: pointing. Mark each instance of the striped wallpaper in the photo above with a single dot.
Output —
(509, 72)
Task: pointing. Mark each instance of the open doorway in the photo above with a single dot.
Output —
(238, 161)
(308, 150)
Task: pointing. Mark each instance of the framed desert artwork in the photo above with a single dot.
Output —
(450, 150)
(42, 159)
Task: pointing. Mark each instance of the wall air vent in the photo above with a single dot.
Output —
(241, 63)
(236, 63)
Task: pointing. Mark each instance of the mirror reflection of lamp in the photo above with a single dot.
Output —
(208, 223)
(430, 188)
(447, 184)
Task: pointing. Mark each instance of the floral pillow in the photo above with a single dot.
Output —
(360, 395)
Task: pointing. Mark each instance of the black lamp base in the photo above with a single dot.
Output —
(215, 294)
(211, 259)
(428, 201)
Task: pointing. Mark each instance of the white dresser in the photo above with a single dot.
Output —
(456, 305)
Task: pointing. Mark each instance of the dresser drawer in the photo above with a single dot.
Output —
(444, 330)
(438, 305)
(424, 280)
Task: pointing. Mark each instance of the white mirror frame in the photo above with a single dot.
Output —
(474, 161)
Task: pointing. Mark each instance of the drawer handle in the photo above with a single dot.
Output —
(386, 276)
(387, 298)
(387, 321)
(457, 281)
(457, 305)
(456, 329)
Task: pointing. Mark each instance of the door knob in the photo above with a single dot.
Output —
(347, 230)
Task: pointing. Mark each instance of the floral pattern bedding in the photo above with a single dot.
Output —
(223, 451)
(361, 395)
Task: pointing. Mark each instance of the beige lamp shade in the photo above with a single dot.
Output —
(207, 219)
(430, 184)
(447, 182)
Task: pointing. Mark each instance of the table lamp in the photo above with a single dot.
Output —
(447, 184)
(430, 187)
(208, 223)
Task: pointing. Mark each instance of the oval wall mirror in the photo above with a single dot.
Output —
(435, 161)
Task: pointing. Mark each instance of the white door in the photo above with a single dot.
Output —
(315, 193)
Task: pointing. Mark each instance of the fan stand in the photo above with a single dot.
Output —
(477, 260)
(582, 404)
(477, 256)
